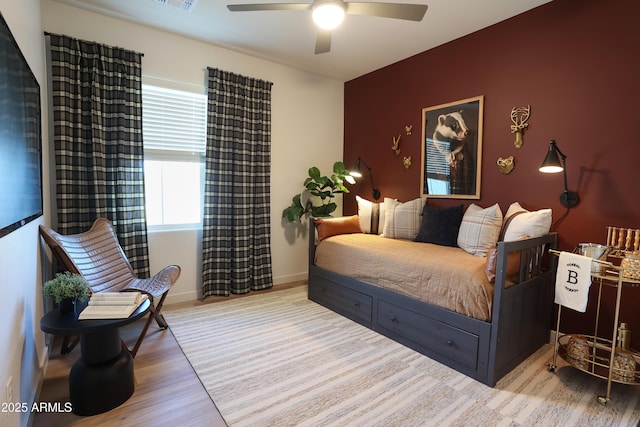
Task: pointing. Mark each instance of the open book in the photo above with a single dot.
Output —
(112, 305)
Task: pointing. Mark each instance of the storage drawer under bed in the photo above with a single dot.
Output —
(348, 302)
(448, 341)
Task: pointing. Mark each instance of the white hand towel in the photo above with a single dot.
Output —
(573, 280)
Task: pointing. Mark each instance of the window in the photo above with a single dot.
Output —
(174, 131)
(438, 174)
(172, 192)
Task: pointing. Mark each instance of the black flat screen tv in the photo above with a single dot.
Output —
(20, 137)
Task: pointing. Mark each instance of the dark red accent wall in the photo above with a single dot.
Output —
(577, 63)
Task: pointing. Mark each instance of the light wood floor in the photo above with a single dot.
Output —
(168, 392)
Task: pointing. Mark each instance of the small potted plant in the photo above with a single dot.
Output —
(67, 290)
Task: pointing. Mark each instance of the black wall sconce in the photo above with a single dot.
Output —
(552, 164)
(356, 172)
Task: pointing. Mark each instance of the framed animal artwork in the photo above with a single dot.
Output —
(452, 149)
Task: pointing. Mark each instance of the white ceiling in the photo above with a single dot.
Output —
(360, 45)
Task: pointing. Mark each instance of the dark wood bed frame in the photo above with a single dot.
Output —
(520, 324)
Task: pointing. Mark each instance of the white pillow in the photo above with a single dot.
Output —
(402, 220)
(371, 215)
(514, 208)
(480, 229)
(531, 224)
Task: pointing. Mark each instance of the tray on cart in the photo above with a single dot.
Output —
(592, 355)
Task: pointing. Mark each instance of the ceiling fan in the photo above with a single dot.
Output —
(328, 14)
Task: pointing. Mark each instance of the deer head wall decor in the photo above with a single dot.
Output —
(519, 117)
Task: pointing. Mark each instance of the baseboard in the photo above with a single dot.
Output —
(43, 364)
(180, 297)
(176, 298)
(281, 280)
(44, 359)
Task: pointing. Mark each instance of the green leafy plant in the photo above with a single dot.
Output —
(322, 188)
(67, 286)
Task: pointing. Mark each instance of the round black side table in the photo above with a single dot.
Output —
(102, 379)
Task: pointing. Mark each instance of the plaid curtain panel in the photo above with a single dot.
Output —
(236, 240)
(97, 126)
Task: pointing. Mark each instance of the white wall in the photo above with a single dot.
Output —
(22, 345)
(307, 128)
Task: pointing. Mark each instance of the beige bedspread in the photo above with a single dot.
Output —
(444, 276)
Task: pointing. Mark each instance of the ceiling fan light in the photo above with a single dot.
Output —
(328, 15)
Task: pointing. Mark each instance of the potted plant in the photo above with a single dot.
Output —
(323, 188)
(67, 290)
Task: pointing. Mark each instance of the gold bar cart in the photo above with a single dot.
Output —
(595, 355)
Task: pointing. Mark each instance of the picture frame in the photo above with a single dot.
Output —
(452, 149)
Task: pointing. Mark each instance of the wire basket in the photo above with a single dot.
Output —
(578, 351)
(630, 266)
(624, 365)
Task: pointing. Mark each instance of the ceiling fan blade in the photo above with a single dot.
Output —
(268, 6)
(410, 12)
(323, 41)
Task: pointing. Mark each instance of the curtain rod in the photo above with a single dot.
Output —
(47, 33)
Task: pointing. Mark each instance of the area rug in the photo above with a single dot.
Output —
(278, 359)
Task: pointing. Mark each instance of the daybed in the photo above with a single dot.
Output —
(478, 328)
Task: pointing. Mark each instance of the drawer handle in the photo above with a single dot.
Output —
(450, 343)
(393, 319)
(356, 305)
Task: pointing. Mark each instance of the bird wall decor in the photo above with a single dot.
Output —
(396, 143)
(406, 162)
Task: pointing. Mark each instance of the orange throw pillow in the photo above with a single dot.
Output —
(328, 227)
(513, 263)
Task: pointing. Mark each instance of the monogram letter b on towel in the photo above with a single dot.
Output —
(573, 280)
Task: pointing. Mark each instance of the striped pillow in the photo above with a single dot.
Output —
(402, 220)
(371, 215)
(480, 229)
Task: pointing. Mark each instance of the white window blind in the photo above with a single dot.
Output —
(174, 120)
(437, 171)
(437, 161)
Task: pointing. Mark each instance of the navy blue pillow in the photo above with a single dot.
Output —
(440, 226)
